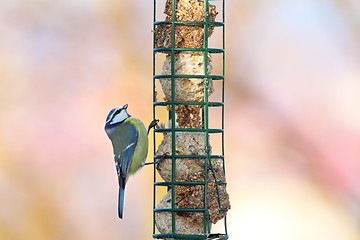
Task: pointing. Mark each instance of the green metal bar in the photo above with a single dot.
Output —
(210, 104)
(154, 117)
(180, 210)
(184, 210)
(214, 77)
(189, 156)
(173, 117)
(184, 236)
(216, 24)
(165, 184)
(180, 236)
(207, 224)
(189, 130)
(210, 50)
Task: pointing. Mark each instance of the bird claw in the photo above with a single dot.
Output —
(153, 124)
(162, 158)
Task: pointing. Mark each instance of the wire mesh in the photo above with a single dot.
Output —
(173, 225)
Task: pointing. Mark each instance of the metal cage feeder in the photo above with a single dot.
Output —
(191, 176)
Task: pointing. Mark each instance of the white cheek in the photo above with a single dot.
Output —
(111, 116)
(119, 118)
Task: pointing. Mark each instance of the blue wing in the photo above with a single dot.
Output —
(126, 140)
(124, 151)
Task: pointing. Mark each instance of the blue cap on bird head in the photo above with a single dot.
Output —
(117, 115)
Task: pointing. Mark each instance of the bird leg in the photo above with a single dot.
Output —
(162, 158)
(153, 124)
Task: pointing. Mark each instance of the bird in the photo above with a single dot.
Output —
(129, 140)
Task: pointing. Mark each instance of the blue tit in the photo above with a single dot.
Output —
(128, 136)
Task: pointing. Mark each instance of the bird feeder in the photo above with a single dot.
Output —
(190, 196)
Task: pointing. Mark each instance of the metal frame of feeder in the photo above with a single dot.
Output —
(205, 118)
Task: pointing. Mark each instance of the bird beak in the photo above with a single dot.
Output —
(125, 106)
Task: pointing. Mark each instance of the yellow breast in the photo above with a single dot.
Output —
(141, 148)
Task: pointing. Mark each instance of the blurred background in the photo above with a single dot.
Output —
(292, 118)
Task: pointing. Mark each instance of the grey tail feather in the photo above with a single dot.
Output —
(121, 198)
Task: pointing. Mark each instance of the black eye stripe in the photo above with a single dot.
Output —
(113, 114)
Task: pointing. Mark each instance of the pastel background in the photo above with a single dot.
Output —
(292, 118)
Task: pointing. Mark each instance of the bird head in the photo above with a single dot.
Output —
(116, 116)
